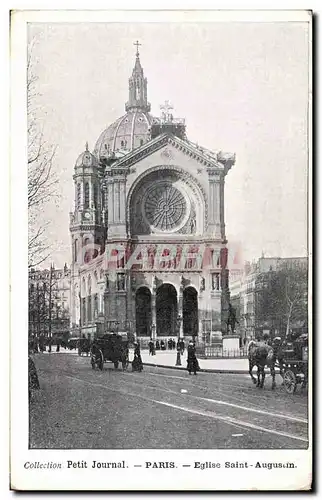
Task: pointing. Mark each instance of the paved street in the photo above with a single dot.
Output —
(78, 407)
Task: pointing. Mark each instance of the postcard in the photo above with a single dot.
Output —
(161, 328)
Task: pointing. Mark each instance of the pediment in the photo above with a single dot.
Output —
(171, 146)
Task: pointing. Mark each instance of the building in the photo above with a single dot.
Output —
(272, 297)
(148, 228)
(49, 302)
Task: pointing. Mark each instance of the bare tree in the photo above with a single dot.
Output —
(42, 180)
(282, 300)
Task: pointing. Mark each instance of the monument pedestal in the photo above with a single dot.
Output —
(230, 342)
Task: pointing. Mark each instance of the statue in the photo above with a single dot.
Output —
(193, 224)
(231, 321)
(202, 284)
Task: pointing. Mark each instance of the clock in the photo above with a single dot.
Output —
(87, 215)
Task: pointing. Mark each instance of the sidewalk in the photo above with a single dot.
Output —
(167, 359)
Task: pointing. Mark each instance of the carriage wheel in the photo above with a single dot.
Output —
(116, 364)
(100, 360)
(290, 381)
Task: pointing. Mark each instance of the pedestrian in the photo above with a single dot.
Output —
(173, 344)
(58, 345)
(49, 345)
(157, 345)
(182, 346)
(192, 362)
(170, 344)
(137, 365)
(41, 344)
(162, 345)
(151, 347)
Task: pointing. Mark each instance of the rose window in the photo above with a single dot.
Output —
(165, 207)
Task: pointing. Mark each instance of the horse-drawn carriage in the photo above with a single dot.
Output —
(110, 347)
(293, 363)
(290, 356)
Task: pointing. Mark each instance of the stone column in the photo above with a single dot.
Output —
(215, 205)
(180, 310)
(122, 201)
(154, 316)
(110, 197)
(116, 189)
(222, 209)
(117, 205)
(153, 308)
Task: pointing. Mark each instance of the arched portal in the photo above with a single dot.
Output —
(166, 310)
(143, 313)
(190, 311)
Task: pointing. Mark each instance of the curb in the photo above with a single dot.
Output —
(205, 370)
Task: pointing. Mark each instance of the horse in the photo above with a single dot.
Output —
(260, 355)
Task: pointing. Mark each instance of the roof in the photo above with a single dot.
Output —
(128, 132)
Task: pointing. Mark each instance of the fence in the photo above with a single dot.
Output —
(215, 352)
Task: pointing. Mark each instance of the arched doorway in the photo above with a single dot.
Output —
(190, 311)
(166, 310)
(143, 313)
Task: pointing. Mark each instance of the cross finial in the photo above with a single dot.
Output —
(166, 107)
(86, 146)
(137, 44)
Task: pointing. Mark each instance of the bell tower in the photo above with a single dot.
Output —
(87, 222)
(138, 85)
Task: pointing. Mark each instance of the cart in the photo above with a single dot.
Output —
(110, 347)
(293, 363)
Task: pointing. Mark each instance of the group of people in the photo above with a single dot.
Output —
(41, 343)
(192, 361)
(161, 345)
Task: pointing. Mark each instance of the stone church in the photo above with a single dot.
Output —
(149, 251)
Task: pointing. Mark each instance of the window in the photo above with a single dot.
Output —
(83, 315)
(141, 142)
(95, 305)
(86, 200)
(89, 309)
(95, 195)
(122, 144)
(75, 250)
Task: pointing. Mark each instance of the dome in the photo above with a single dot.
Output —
(130, 131)
(86, 159)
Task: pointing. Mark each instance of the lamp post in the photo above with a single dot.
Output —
(178, 361)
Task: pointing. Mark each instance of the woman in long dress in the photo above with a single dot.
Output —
(192, 362)
(137, 365)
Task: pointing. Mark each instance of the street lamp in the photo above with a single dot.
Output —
(178, 361)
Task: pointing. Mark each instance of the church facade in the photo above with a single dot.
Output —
(149, 250)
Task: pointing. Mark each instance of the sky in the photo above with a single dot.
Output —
(242, 88)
